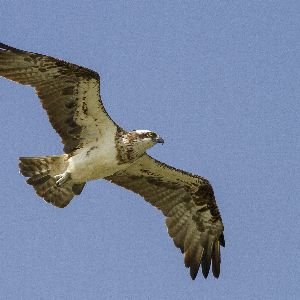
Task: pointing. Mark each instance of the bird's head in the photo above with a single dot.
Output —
(143, 139)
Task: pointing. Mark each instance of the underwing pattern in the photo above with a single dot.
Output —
(97, 148)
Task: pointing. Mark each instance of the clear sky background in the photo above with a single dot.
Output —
(219, 80)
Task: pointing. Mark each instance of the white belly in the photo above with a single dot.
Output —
(94, 161)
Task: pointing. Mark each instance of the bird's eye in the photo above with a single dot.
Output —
(152, 135)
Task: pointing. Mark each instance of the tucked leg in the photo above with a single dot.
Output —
(63, 178)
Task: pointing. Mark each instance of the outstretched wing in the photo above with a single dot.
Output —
(188, 202)
(69, 93)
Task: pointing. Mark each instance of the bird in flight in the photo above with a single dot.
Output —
(95, 147)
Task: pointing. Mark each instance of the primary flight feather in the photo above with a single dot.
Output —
(97, 148)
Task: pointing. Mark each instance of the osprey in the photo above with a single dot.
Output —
(97, 148)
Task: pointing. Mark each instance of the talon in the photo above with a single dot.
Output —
(63, 178)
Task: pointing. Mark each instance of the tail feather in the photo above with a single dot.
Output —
(38, 179)
(41, 172)
(77, 188)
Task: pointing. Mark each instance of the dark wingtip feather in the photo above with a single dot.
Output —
(222, 240)
(216, 259)
(194, 268)
(205, 264)
(205, 273)
(216, 273)
(206, 258)
(191, 261)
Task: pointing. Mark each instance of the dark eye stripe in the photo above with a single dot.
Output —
(148, 135)
(151, 134)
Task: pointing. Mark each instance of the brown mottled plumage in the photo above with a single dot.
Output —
(98, 148)
(188, 202)
(41, 171)
(57, 84)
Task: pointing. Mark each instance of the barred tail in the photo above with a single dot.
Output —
(41, 172)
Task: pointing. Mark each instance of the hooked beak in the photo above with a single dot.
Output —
(159, 140)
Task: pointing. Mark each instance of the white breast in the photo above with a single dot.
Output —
(95, 160)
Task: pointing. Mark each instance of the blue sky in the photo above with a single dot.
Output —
(219, 80)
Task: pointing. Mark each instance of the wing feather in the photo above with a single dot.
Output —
(216, 259)
(70, 94)
(206, 258)
(192, 216)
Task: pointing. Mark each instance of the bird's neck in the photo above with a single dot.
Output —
(129, 147)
